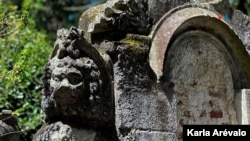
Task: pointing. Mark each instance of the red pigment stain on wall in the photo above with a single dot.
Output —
(216, 114)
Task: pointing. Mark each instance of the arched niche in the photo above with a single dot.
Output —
(167, 27)
(201, 62)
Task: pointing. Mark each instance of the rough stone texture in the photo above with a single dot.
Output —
(241, 25)
(88, 17)
(74, 82)
(153, 71)
(77, 88)
(137, 107)
(158, 8)
(139, 104)
(154, 136)
(127, 16)
(200, 77)
(167, 26)
(199, 60)
(55, 131)
(59, 131)
(9, 129)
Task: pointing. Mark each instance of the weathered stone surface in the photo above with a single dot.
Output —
(154, 136)
(74, 82)
(77, 91)
(9, 129)
(59, 131)
(158, 8)
(139, 104)
(188, 70)
(241, 24)
(89, 17)
(163, 32)
(55, 131)
(199, 59)
(141, 135)
(170, 26)
(128, 16)
(201, 80)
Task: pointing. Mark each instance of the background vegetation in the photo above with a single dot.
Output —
(243, 5)
(24, 52)
(27, 33)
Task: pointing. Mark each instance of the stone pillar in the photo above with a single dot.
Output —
(243, 106)
(143, 111)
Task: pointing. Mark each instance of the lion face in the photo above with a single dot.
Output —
(66, 85)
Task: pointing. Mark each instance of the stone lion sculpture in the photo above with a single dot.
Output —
(73, 81)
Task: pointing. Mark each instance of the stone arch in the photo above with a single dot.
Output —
(231, 46)
(191, 43)
(177, 21)
(165, 29)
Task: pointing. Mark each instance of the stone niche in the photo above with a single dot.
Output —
(146, 71)
(202, 63)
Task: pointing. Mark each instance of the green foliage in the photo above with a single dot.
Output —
(24, 52)
(243, 5)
